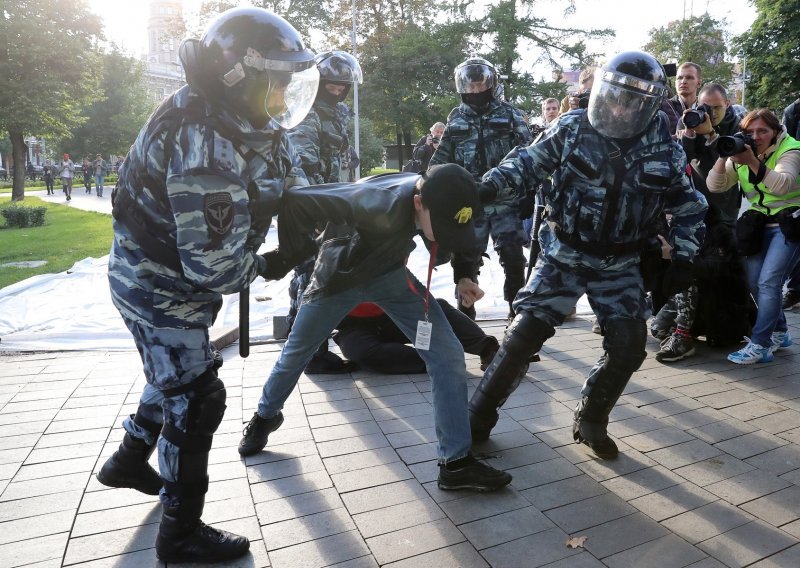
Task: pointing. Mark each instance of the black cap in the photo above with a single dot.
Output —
(449, 192)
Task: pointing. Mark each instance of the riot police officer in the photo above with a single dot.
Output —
(615, 169)
(195, 198)
(478, 135)
(321, 142)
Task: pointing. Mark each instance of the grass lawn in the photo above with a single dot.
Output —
(67, 236)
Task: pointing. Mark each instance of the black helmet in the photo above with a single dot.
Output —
(255, 62)
(475, 75)
(626, 94)
(337, 68)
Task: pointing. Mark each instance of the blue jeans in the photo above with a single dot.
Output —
(318, 316)
(766, 273)
(98, 185)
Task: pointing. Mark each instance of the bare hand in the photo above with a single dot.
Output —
(666, 249)
(469, 292)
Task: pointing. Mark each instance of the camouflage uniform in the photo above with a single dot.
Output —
(598, 219)
(194, 200)
(478, 142)
(605, 199)
(319, 141)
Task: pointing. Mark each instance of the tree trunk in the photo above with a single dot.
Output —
(18, 159)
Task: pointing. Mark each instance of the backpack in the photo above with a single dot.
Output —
(726, 311)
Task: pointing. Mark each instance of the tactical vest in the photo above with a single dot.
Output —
(481, 142)
(608, 203)
(157, 243)
(758, 195)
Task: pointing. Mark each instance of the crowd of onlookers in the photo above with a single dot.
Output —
(41, 172)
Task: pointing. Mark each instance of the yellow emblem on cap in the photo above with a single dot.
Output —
(464, 215)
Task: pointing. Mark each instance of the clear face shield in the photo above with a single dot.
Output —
(474, 78)
(621, 106)
(290, 96)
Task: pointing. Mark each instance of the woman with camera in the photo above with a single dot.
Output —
(765, 161)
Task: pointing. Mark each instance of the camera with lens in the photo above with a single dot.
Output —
(696, 116)
(732, 145)
(581, 99)
(435, 139)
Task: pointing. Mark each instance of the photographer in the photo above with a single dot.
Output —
(698, 131)
(687, 82)
(426, 147)
(766, 163)
(713, 117)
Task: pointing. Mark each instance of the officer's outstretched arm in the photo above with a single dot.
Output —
(524, 168)
(688, 209)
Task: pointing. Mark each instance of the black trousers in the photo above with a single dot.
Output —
(378, 345)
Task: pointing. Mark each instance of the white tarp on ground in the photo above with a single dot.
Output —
(73, 310)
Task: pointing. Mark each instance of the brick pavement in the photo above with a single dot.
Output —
(708, 475)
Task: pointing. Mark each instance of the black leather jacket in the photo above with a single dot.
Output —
(370, 227)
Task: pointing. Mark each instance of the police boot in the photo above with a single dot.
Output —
(589, 427)
(523, 338)
(624, 342)
(183, 537)
(129, 468)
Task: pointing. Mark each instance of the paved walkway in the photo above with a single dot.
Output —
(708, 474)
(80, 199)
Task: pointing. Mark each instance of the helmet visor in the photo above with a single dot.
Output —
(474, 78)
(291, 95)
(617, 111)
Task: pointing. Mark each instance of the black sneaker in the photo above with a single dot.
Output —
(469, 473)
(257, 432)
(790, 299)
(675, 348)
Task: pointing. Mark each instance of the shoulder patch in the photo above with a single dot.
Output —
(218, 210)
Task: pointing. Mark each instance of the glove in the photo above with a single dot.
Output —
(526, 207)
(278, 265)
(677, 278)
(486, 192)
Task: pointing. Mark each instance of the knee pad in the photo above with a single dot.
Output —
(523, 338)
(624, 343)
(204, 412)
(206, 409)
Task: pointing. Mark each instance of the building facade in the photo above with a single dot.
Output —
(164, 72)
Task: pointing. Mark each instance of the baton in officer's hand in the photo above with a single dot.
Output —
(244, 323)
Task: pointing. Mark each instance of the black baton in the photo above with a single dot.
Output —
(244, 323)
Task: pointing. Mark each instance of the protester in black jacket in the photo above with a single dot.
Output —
(384, 214)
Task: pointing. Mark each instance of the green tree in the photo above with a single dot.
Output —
(49, 70)
(772, 49)
(511, 28)
(113, 121)
(304, 15)
(408, 81)
(371, 147)
(700, 39)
